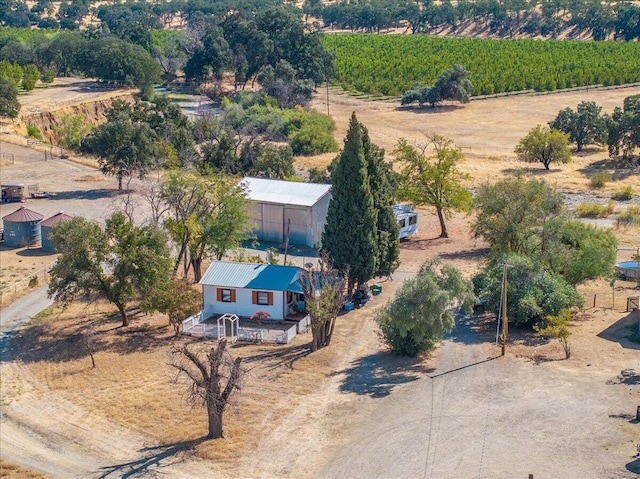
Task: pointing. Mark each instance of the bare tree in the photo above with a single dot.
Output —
(322, 288)
(152, 193)
(89, 342)
(206, 377)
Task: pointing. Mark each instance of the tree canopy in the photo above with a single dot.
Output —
(533, 292)
(208, 216)
(514, 214)
(452, 85)
(433, 180)
(545, 145)
(9, 104)
(117, 263)
(585, 126)
(421, 312)
(624, 129)
(350, 235)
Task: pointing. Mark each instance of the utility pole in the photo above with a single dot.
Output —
(505, 320)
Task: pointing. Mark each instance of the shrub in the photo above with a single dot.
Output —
(599, 179)
(625, 194)
(594, 210)
(33, 132)
(414, 322)
(532, 293)
(33, 281)
(631, 216)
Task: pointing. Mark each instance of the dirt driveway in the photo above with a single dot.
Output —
(475, 414)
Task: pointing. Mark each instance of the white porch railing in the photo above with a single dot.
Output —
(193, 326)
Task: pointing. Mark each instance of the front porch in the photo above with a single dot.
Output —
(245, 329)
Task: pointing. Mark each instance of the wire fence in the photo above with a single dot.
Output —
(12, 291)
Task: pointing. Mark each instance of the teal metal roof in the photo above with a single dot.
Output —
(264, 277)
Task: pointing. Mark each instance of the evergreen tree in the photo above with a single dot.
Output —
(388, 238)
(349, 237)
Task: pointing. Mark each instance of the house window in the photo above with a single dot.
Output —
(401, 223)
(262, 298)
(225, 295)
(413, 220)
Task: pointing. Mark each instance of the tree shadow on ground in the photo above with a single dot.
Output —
(153, 460)
(473, 329)
(620, 330)
(274, 358)
(428, 109)
(85, 194)
(622, 168)
(377, 374)
(540, 170)
(33, 253)
(47, 341)
(634, 466)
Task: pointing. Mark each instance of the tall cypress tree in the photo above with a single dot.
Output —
(349, 237)
(388, 238)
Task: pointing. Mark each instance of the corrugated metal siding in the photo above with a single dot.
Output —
(319, 219)
(47, 245)
(19, 234)
(272, 223)
(264, 190)
(255, 215)
(299, 226)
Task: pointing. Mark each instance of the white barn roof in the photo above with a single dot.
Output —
(281, 192)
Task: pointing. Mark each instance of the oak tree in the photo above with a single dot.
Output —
(433, 179)
(545, 145)
(118, 263)
(211, 381)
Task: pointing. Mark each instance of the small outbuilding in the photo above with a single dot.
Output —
(288, 210)
(22, 228)
(47, 226)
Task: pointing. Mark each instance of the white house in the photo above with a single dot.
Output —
(245, 288)
(288, 208)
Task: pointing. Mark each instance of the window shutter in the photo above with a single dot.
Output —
(270, 294)
(219, 294)
(254, 297)
(233, 295)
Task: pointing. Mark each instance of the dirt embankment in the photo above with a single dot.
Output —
(50, 123)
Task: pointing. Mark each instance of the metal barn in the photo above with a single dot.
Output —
(22, 228)
(281, 209)
(47, 226)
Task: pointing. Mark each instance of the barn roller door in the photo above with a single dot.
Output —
(299, 225)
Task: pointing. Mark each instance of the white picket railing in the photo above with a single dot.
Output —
(193, 326)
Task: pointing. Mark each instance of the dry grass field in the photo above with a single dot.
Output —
(129, 417)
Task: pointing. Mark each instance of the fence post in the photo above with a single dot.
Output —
(594, 300)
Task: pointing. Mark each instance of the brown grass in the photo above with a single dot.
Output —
(13, 471)
(134, 386)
